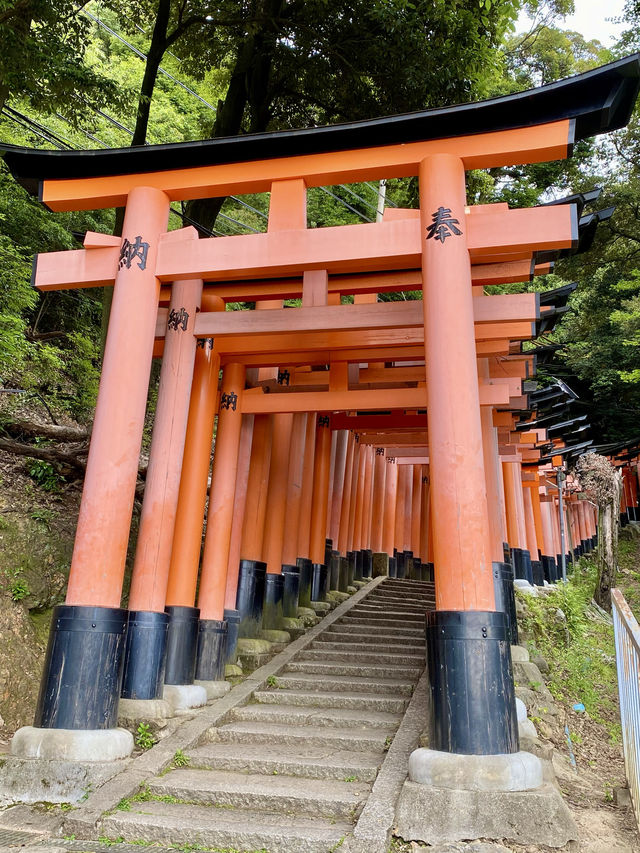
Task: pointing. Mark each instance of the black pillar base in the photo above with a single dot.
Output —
(82, 674)
(211, 652)
(328, 547)
(232, 618)
(408, 564)
(431, 572)
(145, 650)
(320, 582)
(359, 564)
(306, 576)
(549, 569)
(538, 572)
(393, 567)
(367, 563)
(272, 612)
(182, 642)
(507, 552)
(250, 596)
(351, 571)
(343, 574)
(334, 570)
(291, 575)
(471, 682)
(506, 598)
(401, 566)
(623, 519)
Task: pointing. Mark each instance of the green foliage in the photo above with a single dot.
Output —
(44, 474)
(180, 759)
(579, 648)
(144, 738)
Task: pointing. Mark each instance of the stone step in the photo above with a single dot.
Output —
(362, 657)
(238, 829)
(342, 683)
(375, 611)
(368, 647)
(342, 699)
(343, 626)
(285, 794)
(352, 739)
(381, 639)
(368, 671)
(306, 761)
(377, 623)
(399, 601)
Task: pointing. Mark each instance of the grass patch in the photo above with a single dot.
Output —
(579, 647)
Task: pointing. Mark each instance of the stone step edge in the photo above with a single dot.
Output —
(83, 820)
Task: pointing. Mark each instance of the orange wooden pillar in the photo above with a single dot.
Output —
(365, 519)
(377, 508)
(425, 524)
(355, 512)
(321, 471)
(291, 555)
(339, 482)
(145, 648)
(401, 508)
(516, 519)
(276, 520)
(306, 495)
(465, 599)
(332, 473)
(408, 511)
(92, 610)
(231, 614)
(389, 522)
(345, 508)
(416, 511)
(211, 654)
(532, 542)
(495, 499)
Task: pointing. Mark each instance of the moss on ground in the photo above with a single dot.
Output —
(578, 645)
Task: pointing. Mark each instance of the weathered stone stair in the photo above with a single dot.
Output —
(291, 771)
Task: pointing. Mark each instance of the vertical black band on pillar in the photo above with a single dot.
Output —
(367, 563)
(334, 570)
(343, 574)
(306, 579)
(211, 652)
(291, 575)
(320, 582)
(250, 596)
(359, 565)
(328, 547)
(401, 566)
(471, 682)
(538, 572)
(82, 675)
(182, 642)
(351, 567)
(506, 598)
(145, 650)
(272, 612)
(232, 618)
(507, 552)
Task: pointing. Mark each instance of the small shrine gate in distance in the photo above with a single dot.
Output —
(437, 371)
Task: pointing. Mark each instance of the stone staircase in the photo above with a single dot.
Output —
(291, 771)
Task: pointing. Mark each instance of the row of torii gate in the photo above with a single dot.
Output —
(343, 430)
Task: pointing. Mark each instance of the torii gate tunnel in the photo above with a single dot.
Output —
(388, 427)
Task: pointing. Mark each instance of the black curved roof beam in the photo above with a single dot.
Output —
(596, 102)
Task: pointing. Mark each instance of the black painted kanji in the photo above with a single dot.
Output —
(205, 342)
(229, 401)
(443, 225)
(323, 421)
(130, 251)
(379, 451)
(284, 377)
(178, 319)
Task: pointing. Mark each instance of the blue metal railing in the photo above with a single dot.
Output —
(627, 638)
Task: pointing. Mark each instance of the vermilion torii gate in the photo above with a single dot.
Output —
(445, 248)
